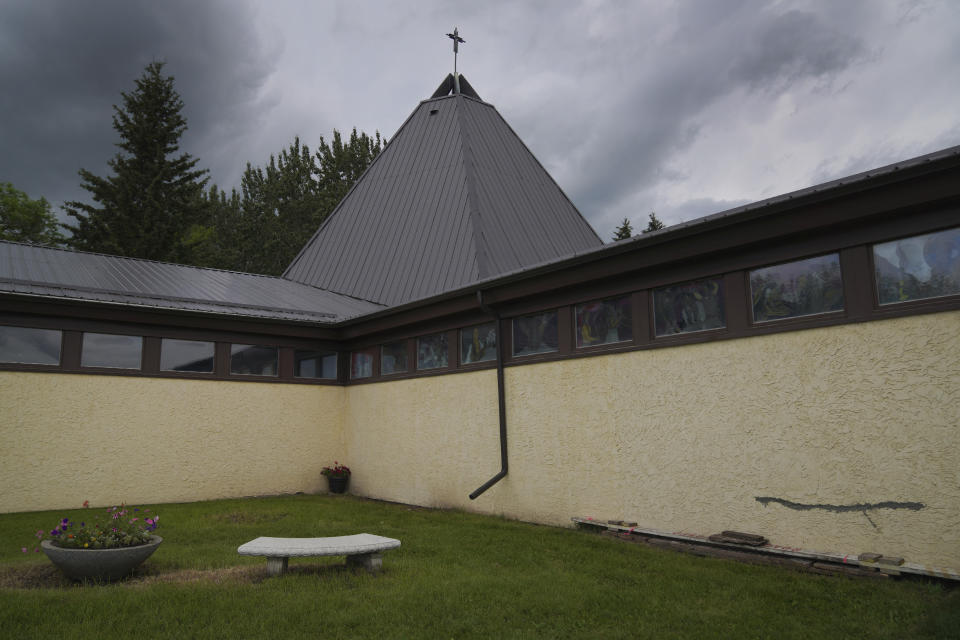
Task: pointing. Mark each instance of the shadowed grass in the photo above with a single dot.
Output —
(456, 575)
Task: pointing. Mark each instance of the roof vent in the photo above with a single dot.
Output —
(433, 112)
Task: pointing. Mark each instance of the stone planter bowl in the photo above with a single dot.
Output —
(99, 564)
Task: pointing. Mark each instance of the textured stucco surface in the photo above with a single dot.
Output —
(427, 441)
(685, 439)
(679, 439)
(69, 438)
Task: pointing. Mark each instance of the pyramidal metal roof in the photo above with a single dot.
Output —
(454, 198)
(58, 273)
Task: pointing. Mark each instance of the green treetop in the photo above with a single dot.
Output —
(148, 206)
(282, 204)
(654, 224)
(26, 220)
(624, 231)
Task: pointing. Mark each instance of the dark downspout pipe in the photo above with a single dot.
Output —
(503, 405)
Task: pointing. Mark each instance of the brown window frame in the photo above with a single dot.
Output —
(857, 267)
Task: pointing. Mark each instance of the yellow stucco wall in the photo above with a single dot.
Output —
(427, 441)
(685, 439)
(679, 439)
(69, 438)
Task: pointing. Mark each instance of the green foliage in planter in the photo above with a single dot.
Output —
(113, 528)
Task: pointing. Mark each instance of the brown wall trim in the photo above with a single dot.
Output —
(849, 232)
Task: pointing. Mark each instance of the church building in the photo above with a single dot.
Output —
(459, 335)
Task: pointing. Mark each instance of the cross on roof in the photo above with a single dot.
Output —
(455, 36)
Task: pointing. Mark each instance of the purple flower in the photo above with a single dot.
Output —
(24, 549)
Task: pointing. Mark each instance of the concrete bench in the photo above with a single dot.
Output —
(362, 549)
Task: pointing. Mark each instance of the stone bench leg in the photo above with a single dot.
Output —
(277, 566)
(372, 562)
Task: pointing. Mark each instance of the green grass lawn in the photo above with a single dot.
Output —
(457, 575)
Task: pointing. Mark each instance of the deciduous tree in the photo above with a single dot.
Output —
(26, 220)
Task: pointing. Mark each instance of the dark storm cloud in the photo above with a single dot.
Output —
(716, 49)
(648, 105)
(64, 64)
(790, 47)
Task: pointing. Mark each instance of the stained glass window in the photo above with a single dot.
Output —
(432, 351)
(109, 350)
(186, 355)
(800, 288)
(25, 345)
(478, 343)
(361, 364)
(920, 267)
(393, 358)
(253, 360)
(535, 334)
(315, 364)
(687, 307)
(604, 322)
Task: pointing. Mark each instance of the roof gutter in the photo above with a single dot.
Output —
(500, 399)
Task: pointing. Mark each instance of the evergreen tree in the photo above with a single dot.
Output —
(280, 208)
(339, 165)
(654, 224)
(217, 242)
(153, 199)
(26, 220)
(280, 205)
(624, 231)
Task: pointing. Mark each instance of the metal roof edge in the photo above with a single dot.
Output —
(473, 208)
(353, 187)
(802, 196)
(859, 181)
(147, 260)
(542, 168)
(155, 296)
(81, 302)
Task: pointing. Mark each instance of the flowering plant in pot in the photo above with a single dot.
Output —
(106, 546)
(338, 476)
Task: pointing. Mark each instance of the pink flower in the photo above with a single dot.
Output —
(24, 549)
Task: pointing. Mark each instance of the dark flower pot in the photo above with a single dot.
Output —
(99, 564)
(338, 485)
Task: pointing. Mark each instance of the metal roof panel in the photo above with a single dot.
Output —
(455, 197)
(49, 272)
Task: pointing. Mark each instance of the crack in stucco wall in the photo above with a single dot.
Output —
(862, 507)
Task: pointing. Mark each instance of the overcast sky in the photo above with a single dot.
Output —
(684, 108)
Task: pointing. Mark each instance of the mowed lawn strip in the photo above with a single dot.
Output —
(456, 575)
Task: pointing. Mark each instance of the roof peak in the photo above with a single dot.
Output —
(455, 84)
